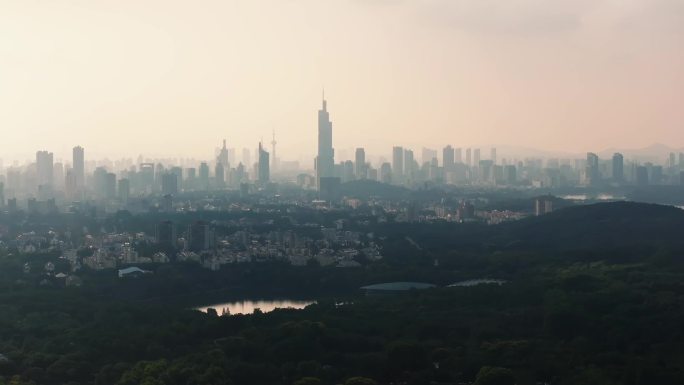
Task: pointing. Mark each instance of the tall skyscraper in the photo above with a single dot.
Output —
(44, 168)
(493, 155)
(360, 163)
(100, 182)
(325, 161)
(219, 175)
(78, 166)
(448, 158)
(70, 184)
(469, 160)
(222, 157)
(204, 176)
(408, 165)
(397, 164)
(592, 169)
(476, 157)
(618, 167)
(263, 168)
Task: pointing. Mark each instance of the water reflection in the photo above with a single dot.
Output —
(585, 197)
(248, 306)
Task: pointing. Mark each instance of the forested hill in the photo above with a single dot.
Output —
(601, 225)
(616, 232)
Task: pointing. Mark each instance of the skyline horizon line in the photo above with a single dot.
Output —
(347, 153)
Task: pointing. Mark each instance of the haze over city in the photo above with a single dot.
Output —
(341, 192)
(171, 78)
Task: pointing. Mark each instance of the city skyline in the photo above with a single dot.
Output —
(567, 76)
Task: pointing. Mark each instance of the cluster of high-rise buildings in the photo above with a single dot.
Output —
(467, 166)
(47, 180)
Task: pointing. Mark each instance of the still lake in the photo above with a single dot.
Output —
(248, 306)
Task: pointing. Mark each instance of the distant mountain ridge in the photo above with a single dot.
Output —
(656, 152)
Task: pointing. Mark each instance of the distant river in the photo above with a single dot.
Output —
(248, 306)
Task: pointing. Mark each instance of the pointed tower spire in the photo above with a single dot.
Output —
(325, 104)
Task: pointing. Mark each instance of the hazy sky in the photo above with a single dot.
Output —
(175, 77)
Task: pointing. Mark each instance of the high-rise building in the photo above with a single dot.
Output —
(592, 169)
(58, 176)
(158, 172)
(222, 157)
(78, 166)
(100, 182)
(618, 167)
(493, 155)
(408, 166)
(44, 169)
(146, 177)
(124, 190)
(448, 158)
(476, 157)
(543, 205)
(178, 172)
(170, 184)
(468, 159)
(360, 163)
(656, 175)
(200, 236)
(70, 184)
(386, 173)
(263, 168)
(166, 233)
(325, 161)
(190, 182)
(398, 164)
(347, 171)
(641, 176)
(220, 175)
(458, 156)
(110, 185)
(510, 174)
(204, 176)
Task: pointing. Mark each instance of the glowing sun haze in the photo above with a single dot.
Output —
(176, 77)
